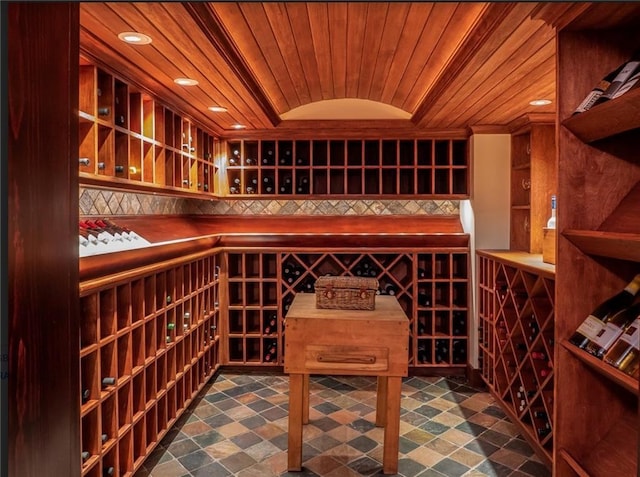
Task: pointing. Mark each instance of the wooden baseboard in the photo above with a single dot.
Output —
(474, 375)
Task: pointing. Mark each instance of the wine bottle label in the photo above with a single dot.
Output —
(590, 327)
(631, 335)
(607, 336)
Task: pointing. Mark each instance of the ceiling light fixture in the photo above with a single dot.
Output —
(217, 109)
(134, 38)
(238, 126)
(540, 102)
(185, 81)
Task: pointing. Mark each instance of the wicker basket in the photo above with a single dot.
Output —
(346, 293)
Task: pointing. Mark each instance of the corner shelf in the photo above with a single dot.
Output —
(606, 244)
(606, 370)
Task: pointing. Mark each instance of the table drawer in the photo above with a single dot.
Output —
(345, 358)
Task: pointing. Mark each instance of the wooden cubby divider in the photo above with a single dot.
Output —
(132, 141)
(154, 331)
(262, 285)
(386, 167)
(516, 341)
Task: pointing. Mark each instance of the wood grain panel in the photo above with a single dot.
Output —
(446, 63)
(42, 386)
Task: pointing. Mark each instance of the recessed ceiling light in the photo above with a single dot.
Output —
(540, 102)
(185, 81)
(238, 126)
(217, 109)
(134, 38)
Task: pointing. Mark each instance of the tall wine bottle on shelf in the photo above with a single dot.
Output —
(595, 322)
(626, 72)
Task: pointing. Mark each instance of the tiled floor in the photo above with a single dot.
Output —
(238, 426)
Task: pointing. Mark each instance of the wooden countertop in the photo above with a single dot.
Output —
(176, 236)
(387, 308)
(527, 261)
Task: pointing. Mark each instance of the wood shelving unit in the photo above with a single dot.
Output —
(152, 334)
(348, 167)
(431, 285)
(533, 182)
(252, 314)
(516, 348)
(128, 139)
(599, 185)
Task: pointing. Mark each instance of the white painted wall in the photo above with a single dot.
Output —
(486, 215)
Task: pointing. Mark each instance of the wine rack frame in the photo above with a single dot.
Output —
(138, 143)
(426, 167)
(258, 289)
(158, 368)
(516, 296)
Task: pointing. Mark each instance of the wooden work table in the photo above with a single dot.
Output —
(347, 342)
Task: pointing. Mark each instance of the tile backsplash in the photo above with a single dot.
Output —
(95, 202)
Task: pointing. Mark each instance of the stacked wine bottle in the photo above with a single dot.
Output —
(103, 236)
(610, 332)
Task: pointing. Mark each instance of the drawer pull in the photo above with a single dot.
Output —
(345, 358)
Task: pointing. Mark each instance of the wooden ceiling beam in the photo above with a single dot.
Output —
(492, 17)
(208, 21)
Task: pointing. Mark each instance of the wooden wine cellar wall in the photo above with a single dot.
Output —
(43, 369)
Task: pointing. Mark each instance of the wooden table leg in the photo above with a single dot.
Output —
(392, 428)
(296, 399)
(381, 404)
(305, 399)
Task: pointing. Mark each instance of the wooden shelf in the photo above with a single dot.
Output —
(533, 181)
(430, 284)
(516, 341)
(436, 168)
(621, 379)
(153, 329)
(607, 119)
(622, 246)
(598, 245)
(131, 141)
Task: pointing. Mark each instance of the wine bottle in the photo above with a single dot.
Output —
(107, 471)
(627, 71)
(119, 169)
(84, 161)
(597, 91)
(267, 159)
(86, 394)
(594, 323)
(104, 438)
(103, 111)
(108, 381)
(85, 456)
(390, 289)
(551, 223)
(625, 350)
(612, 330)
(631, 83)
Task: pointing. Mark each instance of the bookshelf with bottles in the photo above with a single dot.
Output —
(130, 140)
(149, 341)
(598, 243)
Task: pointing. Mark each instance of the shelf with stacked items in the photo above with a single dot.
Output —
(148, 343)
(128, 139)
(253, 325)
(381, 167)
(597, 244)
(516, 343)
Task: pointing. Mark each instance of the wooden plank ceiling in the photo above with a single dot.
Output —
(445, 65)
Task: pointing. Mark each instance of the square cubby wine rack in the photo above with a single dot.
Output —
(149, 341)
